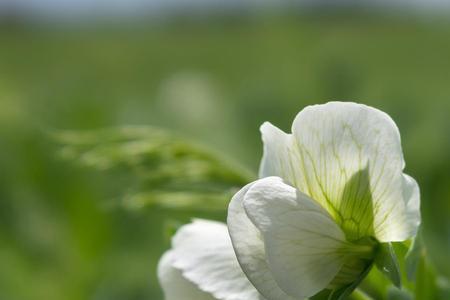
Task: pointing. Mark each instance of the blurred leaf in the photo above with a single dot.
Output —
(418, 273)
(425, 287)
(420, 270)
(161, 169)
(179, 200)
(443, 287)
(397, 294)
(412, 259)
(386, 261)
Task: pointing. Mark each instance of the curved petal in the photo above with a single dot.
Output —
(205, 255)
(277, 156)
(174, 285)
(411, 194)
(305, 248)
(348, 157)
(249, 248)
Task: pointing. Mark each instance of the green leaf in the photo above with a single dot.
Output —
(386, 261)
(426, 280)
(443, 285)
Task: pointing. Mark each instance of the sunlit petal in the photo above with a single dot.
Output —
(279, 156)
(305, 248)
(411, 194)
(249, 247)
(174, 285)
(204, 253)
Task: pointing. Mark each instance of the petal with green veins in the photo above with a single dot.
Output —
(249, 247)
(305, 248)
(348, 158)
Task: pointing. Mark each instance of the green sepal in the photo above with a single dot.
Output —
(346, 291)
(343, 292)
(387, 262)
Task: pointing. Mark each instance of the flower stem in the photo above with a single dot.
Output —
(358, 294)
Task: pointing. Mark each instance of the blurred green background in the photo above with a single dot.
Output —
(213, 80)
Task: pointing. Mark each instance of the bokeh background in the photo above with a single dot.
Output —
(212, 72)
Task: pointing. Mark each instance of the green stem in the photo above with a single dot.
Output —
(358, 294)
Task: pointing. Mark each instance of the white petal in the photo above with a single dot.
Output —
(249, 248)
(174, 285)
(277, 158)
(352, 161)
(305, 248)
(204, 253)
(411, 194)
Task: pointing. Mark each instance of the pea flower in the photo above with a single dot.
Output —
(332, 194)
(202, 265)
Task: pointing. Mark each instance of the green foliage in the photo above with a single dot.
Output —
(412, 260)
(57, 238)
(396, 294)
(414, 268)
(421, 271)
(161, 169)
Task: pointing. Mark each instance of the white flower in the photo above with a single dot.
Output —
(330, 193)
(339, 190)
(202, 265)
